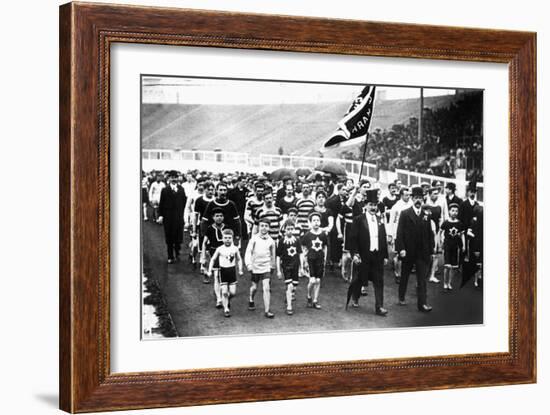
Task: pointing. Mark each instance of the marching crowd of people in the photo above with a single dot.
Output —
(296, 227)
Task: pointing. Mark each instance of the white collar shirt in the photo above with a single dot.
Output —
(373, 231)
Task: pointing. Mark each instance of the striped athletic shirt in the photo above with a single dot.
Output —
(251, 209)
(305, 207)
(274, 216)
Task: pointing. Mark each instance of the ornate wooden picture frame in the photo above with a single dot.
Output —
(87, 32)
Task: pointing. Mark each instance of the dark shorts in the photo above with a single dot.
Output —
(316, 267)
(451, 256)
(228, 275)
(216, 264)
(290, 275)
(144, 195)
(262, 276)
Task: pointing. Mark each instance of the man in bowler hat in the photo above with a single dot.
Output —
(414, 242)
(171, 210)
(368, 247)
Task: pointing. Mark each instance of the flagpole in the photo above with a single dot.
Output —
(364, 154)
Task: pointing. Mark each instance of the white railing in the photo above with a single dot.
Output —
(197, 155)
(410, 178)
(352, 167)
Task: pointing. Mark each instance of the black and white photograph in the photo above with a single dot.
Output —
(273, 207)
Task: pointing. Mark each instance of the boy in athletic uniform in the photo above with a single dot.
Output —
(228, 257)
(403, 203)
(452, 234)
(154, 195)
(390, 200)
(272, 214)
(260, 261)
(314, 244)
(213, 238)
(253, 203)
(304, 205)
(436, 215)
(200, 207)
(194, 243)
(288, 261)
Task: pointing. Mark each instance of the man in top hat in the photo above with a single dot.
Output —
(467, 214)
(414, 243)
(171, 210)
(368, 247)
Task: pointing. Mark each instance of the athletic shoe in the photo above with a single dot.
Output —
(317, 306)
(219, 305)
(251, 305)
(227, 313)
(434, 280)
(269, 314)
(289, 312)
(170, 261)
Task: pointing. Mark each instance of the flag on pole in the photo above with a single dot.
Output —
(356, 122)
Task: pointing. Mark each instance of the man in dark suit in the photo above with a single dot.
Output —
(467, 207)
(171, 210)
(368, 247)
(468, 214)
(414, 242)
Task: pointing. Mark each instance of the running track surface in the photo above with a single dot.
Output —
(191, 303)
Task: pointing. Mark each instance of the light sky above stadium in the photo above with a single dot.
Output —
(173, 90)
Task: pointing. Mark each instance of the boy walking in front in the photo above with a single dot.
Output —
(452, 233)
(228, 257)
(288, 261)
(260, 261)
(213, 238)
(314, 243)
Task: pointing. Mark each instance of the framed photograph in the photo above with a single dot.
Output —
(258, 207)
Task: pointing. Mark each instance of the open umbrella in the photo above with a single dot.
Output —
(313, 175)
(438, 161)
(279, 174)
(332, 168)
(303, 172)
